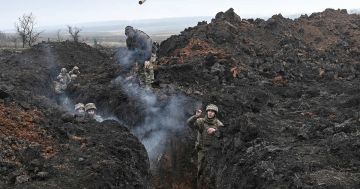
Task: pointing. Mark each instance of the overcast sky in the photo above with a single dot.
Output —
(63, 12)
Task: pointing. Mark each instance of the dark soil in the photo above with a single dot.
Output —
(43, 145)
(288, 93)
(287, 90)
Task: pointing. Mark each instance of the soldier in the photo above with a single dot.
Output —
(64, 76)
(207, 130)
(80, 109)
(60, 86)
(141, 45)
(74, 73)
(90, 109)
(149, 71)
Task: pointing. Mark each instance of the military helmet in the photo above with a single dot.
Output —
(76, 68)
(63, 70)
(128, 29)
(212, 107)
(79, 105)
(90, 106)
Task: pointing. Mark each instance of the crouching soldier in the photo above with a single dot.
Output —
(64, 76)
(207, 130)
(60, 86)
(74, 73)
(90, 109)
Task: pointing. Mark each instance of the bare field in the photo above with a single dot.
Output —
(104, 39)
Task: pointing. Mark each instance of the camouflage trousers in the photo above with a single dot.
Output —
(149, 76)
(200, 162)
(145, 75)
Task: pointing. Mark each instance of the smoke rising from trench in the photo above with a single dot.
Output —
(162, 116)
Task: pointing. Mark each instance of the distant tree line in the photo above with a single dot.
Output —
(27, 35)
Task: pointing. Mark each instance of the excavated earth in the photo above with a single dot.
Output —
(288, 93)
(44, 145)
(287, 90)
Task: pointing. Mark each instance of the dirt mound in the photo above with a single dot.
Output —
(287, 92)
(44, 145)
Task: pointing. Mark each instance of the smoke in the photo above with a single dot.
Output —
(126, 57)
(52, 65)
(139, 48)
(162, 116)
(66, 103)
(113, 118)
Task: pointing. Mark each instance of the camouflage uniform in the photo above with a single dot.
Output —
(149, 71)
(204, 140)
(140, 44)
(74, 73)
(64, 76)
(60, 86)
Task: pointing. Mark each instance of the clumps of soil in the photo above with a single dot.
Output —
(22, 126)
(287, 93)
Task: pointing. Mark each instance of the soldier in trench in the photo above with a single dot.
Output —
(60, 86)
(90, 110)
(74, 73)
(207, 130)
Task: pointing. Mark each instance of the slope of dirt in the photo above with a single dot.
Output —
(44, 145)
(288, 93)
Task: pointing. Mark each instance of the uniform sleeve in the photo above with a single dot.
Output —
(191, 122)
(200, 124)
(68, 78)
(219, 125)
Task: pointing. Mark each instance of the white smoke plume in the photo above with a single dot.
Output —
(125, 56)
(162, 117)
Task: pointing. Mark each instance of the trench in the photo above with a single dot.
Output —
(162, 130)
(157, 117)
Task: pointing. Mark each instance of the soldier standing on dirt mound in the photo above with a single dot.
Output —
(207, 130)
(149, 66)
(141, 45)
